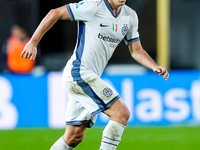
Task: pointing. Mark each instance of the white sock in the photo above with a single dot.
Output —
(112, 135)
(61, 145)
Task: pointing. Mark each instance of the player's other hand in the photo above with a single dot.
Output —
(161, 71)
(29, 51)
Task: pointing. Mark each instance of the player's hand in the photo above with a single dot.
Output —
(161, 71)
(29, 51)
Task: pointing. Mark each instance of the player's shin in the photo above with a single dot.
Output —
(61, 145)
(111, 135)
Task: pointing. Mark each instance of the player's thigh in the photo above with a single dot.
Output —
(105, 93)
(92, 93)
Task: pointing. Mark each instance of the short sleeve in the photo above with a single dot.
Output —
(132, 34)
(82, 11)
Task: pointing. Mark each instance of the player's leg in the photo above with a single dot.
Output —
(74, 134)
(119, 115)
(118, 112)
(77, 120)
(107, 100)
(72, 137)
(96, 96)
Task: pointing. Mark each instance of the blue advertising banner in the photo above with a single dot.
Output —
(23, 101)
(40, 101)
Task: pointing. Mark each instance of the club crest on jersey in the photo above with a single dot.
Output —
(107, 92)
(124, 29)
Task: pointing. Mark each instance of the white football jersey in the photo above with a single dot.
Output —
(99, 33)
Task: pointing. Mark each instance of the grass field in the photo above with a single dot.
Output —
(134, 138)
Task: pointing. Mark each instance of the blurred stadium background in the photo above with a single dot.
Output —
(164, 115)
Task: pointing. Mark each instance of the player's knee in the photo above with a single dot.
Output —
(127, 114)
(123, 113)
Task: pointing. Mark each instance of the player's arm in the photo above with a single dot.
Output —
(30, 50)
(141, 56)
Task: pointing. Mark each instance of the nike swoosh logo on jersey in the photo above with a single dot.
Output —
(102, 25)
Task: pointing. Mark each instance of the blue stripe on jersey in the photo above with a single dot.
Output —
(74, 122)
(110, 9)
(79, 52)
(108, 105)
(96, 112)
(88, 90)
(70, 12)
(131, 40)
(112, 101)
(89, 123)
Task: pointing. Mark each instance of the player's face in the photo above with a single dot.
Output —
(118, 2)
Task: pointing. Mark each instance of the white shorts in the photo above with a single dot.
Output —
(87, 98)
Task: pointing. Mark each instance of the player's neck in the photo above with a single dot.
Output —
(115, 7)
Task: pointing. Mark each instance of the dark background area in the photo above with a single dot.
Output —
(58, 43)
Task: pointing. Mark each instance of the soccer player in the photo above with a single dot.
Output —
(102, 25)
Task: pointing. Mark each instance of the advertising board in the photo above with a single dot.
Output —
(40, 101)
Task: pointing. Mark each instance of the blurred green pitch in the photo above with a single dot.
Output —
(134, 138)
